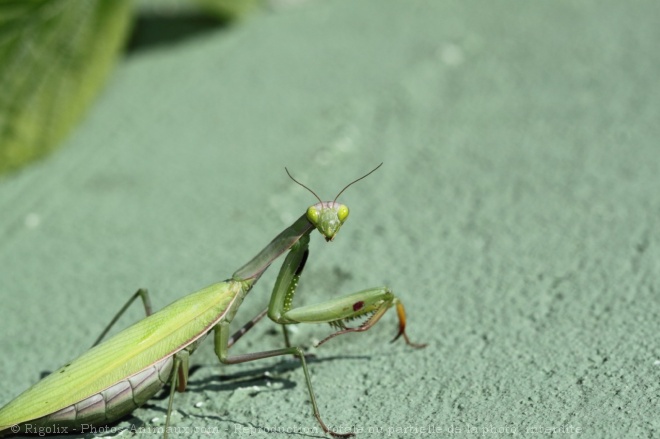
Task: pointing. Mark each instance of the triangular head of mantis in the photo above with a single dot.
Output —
(327, 217)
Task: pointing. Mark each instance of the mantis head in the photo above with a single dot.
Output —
(329, 216)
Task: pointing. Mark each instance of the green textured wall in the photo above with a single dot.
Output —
(515, 215)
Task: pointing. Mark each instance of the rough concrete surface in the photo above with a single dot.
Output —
(515, 215)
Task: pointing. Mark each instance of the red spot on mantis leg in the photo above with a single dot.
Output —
(358, 305)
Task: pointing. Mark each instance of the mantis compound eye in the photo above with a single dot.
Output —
(342, 213)
(313, 215)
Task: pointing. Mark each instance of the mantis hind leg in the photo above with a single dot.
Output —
(146, 301)
(178, 383)
(221, 349)
(249, 325)
(245, 328)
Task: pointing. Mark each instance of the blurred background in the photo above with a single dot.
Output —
(144, 145)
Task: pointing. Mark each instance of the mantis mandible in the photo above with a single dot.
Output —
(115, 377)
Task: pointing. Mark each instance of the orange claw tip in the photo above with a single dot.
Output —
(401, 313)
(397, 336)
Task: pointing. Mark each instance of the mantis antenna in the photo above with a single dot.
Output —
(356, 180)
(341, 191)
(291, 177)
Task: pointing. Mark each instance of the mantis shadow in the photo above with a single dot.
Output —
(260, 376)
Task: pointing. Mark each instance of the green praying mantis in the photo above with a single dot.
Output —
(115, 377)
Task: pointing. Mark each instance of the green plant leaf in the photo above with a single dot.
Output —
(54, 56)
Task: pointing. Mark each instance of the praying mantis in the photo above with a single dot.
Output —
(115, 377)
